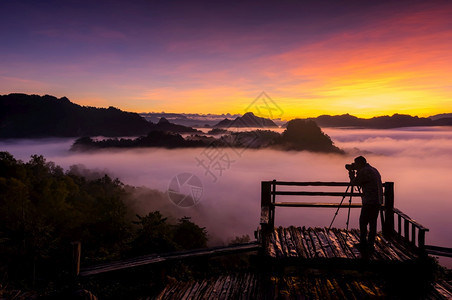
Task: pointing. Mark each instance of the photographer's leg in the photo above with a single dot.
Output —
(363, 221)
(373, 216)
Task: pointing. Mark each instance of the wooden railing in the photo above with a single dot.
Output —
(405, 222)
(269, 203)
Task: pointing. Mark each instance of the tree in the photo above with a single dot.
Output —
(188, 235)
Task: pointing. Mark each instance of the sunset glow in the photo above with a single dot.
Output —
(311, 59)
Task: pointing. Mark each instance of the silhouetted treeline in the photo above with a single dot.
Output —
(44, 208)
(299, 135)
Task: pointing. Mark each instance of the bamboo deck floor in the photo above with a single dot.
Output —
(305, 286)
(338, 244)
(253, 286)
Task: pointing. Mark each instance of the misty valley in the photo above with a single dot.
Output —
(216, 150)
(228, 208)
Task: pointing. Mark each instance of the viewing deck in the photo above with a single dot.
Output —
(402, 239)
(311, 285)
(334, 244)
(303, 262)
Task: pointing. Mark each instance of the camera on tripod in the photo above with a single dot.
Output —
(351, 167)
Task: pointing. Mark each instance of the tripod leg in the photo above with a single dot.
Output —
(337, 210)
(349, 207)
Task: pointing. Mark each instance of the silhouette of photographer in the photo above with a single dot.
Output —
(369, 179)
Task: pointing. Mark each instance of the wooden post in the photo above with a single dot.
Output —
(272, 207)
(388, 227)
(267, 221)
(76, 254)
(406, 230)
(421, 240)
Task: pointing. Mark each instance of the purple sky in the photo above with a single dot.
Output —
(217, 56)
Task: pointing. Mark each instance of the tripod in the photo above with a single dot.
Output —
(349, 205)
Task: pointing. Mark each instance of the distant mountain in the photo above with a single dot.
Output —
(247, 120)
(164, 125)
(382, 122)
(29, 116)
(441, 116)
(192, 120)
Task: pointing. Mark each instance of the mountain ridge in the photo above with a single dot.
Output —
(247, 120)
(380, 122)
(34, 116)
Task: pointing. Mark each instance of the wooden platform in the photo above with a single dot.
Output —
(295, 286)
(335, 244)
(166, 257)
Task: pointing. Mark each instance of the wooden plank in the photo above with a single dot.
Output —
(304, 193)
(335, 244)
(389, 251)
(378, 253)
(163, 292)
(290, 243)
(342, 243)
(201, 289)
(302, 253)
(324, 243)
(243, 288)
(191, 290)
(271, 251)
(210, 287)
(254, 287)
(309, 242)
(442, 290)
(318, 248)
(301, 238)
(349, 290)
(314, 204)
(354, 237)
(277, 243)
(402, 252)
(400, 245)
(314, 183)
(174, 291)
(180, 290)
(343, 234)
(152, 259)
(379, 246)
(441, 251)
(218, 288)
(228, 288)
(283, 241)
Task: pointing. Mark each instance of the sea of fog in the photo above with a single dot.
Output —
(417, 159)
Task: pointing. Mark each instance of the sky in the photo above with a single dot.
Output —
(366, 58)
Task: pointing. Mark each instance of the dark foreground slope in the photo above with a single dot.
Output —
(30, 116)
